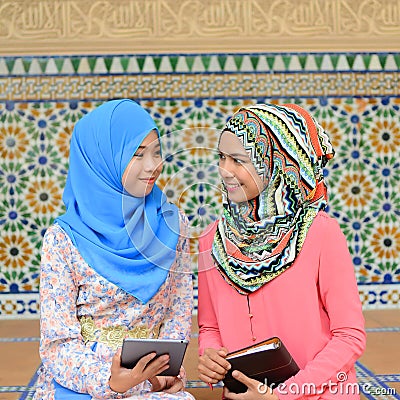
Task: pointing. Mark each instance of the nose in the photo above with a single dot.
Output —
(227, 168)
(151, 163)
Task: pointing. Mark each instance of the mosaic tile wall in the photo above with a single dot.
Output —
(355, 96)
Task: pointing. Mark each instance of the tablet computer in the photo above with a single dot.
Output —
(134, 349)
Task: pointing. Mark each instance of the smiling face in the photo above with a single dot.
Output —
(237, 171)
(145, 167)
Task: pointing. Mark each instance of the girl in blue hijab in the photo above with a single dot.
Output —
(115, 265)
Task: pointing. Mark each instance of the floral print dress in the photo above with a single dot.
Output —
(84, 319)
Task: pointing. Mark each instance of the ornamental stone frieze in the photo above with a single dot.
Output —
(151, 26)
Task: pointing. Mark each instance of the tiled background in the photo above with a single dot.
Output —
(355, 97)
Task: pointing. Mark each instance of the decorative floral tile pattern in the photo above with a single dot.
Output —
(363, 177)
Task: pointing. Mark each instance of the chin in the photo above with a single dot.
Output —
(237, 199)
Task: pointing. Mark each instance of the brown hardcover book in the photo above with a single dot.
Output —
(268, 361)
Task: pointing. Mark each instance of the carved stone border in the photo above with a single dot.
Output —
(165, 26)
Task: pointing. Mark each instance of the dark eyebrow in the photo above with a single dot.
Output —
(235, 154)
(143, 147)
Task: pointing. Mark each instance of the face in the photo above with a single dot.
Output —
(145, 167)
(237, 171)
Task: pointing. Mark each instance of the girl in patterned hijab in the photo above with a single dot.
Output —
(268, 231)
(275, 261)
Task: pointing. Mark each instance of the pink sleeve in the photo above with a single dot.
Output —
(209, 335)
(340, 298)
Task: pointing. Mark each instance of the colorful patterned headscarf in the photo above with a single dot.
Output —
(259, 239)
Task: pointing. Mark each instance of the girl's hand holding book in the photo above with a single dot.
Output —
(213, 365)
(255, 390)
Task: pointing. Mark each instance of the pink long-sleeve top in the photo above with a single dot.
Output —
(313, 307)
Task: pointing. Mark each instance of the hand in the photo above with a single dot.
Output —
(122, 379)
(169, 384)
(255, 389)
(212, 365)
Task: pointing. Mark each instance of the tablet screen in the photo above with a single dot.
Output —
(134, 349)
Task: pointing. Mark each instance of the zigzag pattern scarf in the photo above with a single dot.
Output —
(259, 239)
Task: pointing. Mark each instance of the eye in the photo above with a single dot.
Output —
(138, 155)
(221, 156)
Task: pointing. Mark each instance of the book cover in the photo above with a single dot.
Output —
(268, 362)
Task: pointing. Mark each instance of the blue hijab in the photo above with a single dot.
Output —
(130, 241)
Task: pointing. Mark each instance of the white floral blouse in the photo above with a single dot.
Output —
(84, 318)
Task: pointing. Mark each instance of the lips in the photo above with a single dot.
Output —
(231, 187)
(149, 181)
